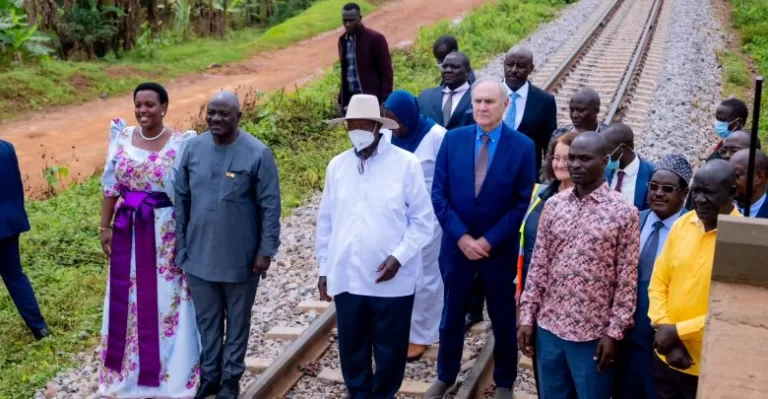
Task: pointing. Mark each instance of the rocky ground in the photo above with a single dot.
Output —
(686, 94)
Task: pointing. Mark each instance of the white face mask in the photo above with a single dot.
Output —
(361, 139)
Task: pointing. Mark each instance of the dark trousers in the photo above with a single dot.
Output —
(500, 295)
(477, 299)
(568, 370)
(18, 284)
(373, 327)
(673, 384)
(214, 303)
(634, 362)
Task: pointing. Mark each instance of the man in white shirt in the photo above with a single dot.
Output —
(626, 172)
(758, 206)
(374, 219)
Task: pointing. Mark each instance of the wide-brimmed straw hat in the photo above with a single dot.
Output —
(365, 106)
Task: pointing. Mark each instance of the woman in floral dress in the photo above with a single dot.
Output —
(150, 345)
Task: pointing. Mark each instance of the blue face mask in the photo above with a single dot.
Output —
(722, 129)
(613, 165)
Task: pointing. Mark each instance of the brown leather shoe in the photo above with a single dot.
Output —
(415, 351)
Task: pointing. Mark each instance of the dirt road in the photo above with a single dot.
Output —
(77, 136)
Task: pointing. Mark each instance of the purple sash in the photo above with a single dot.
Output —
(141, 206)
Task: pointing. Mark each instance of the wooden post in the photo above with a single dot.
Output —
(735, 353)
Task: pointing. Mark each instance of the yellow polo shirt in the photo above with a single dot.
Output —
(679, 288)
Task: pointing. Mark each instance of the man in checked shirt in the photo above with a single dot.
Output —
(581, 291)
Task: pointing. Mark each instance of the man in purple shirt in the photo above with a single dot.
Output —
(581, 289)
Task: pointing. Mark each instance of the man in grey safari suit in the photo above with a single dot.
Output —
(228, 230)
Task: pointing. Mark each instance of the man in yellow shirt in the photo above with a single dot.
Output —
(679, 288)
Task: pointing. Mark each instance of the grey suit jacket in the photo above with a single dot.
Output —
(227, 208)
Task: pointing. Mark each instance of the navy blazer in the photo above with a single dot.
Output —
(539, 120)
(641, 186)
(763, 212)
(498, 211)
(431, 105)
(13, 217)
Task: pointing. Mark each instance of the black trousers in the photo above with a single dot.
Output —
(672, 384)
(373, 327)
(477, 300)
(18, 284)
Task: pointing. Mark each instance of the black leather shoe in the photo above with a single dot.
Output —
(471, 321)
(41, 333)
(230, 389)
(207, 388)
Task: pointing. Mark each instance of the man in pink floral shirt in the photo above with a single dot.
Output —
(581, 289)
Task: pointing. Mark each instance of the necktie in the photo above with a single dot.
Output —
(620, 180)
(648, 255)
(511, 116)
(481, 165)
(447, 109)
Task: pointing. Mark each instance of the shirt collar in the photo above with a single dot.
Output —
(598, 195)
(459, 89)
(522, 92)
(633, 167)
(494, 134)
(695, 218)
(668, 222)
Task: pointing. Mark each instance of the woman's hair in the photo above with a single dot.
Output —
(547, 171)
(156, 87)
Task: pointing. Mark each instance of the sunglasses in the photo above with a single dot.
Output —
(669, 189)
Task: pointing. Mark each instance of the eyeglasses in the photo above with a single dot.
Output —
(667, 188)
(557, 160)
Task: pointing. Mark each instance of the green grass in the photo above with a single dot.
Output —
(750, 20)
(62, 255)
(737, 80)
(55, 82)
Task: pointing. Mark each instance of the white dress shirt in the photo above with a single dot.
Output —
(629, 182)
(647, 229)
(364, 218)
(457, 96)
(522, 99)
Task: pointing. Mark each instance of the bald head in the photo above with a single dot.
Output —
(583, 109)
(712, 191)
(223, 116)
(617, 134)
(518, 65)
(592, 142)
(737, 141)
(740, 163)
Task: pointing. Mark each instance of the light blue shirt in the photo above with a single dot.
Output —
(494, 134)
(647, 229)
(754, 209)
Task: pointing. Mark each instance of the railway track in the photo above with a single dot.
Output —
(617, 52)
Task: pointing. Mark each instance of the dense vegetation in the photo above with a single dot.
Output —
(750, 20)
(62, 255)
(166, 55)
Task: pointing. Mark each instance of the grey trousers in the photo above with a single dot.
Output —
(214, 302)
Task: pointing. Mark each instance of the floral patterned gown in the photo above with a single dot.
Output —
(129, 168)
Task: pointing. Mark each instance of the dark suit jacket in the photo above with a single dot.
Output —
(498, 211)
(374, 65)
(13, 217)
(641, 186)
(431, 105)
(539, 120)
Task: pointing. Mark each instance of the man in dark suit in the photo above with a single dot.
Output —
(758, 206)
(13, 222)
(484, 175)
(450, 103)
(626, 172)
(666, 194)
(531, 111)
(366, 65)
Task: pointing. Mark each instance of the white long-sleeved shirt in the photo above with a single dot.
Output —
(364, 218)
